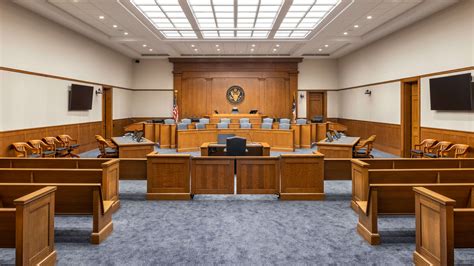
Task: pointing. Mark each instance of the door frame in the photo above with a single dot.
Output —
(107, 112)
(406, 114)
(325, 103)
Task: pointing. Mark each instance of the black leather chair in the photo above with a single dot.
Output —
(222, 138)
(317, 119)
(236, 146)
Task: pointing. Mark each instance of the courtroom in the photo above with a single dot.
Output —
(236, 132)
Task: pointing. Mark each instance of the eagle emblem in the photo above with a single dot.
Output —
(235, 94)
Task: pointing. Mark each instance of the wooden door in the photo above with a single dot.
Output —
(316, 104)
(107, 111)
(410, 115)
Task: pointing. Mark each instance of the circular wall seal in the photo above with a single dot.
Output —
(235, 94)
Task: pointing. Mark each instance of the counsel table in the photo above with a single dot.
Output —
(129, 148)
(253, 149)
(341, 148)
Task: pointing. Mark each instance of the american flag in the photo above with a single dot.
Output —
(175, 110)
(293, 109)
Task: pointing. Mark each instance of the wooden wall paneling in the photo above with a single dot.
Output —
(218, 101)
(168, 177)
(212, 175)
(119, 125)
(258, 175)
(388, 135)
(277, 98)
(193, 97)
(462, 137)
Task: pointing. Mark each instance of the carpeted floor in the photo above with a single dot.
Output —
(247, 230)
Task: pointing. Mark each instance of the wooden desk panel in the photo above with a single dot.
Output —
(235, 118)
(168, 177)
(132, 149)
(212, 175)
(305, 136)
(265, 148)
(302, 177)
(341, 148)
(260, 175)
(191, 140)
(167, 136)
(297, 139)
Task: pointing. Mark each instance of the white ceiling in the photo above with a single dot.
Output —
(137, 36)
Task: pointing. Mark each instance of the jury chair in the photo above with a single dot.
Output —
(225, 120)
(222, 125)
(169, 121)
(266, 126)
(70, 144)
(245, 125)
(236, 146)
(284, 121)
(456, 151)
(200, 126)
(182, 126)
(283, 126)
(23, 149)
(107, 148)
(42, 148)
(268, 120)
(204, 120)
(364, 148)
(244, 120)
(186, 121)
(436, 150)
(421, 148)
(56, 146)
(301, 121)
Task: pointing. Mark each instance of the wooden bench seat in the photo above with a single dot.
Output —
(444, 221)
(27, 224)
(75, 199)
(362, 179)
(108, 180)
(394, 199)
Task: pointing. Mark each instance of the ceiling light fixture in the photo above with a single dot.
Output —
(144, 45)
(115, 26)
(345, 33)
(274, 49)
(218, 49)
(320, 49)
(356, 26)
(251, 50)
(253, 45)
(369, 17)
(125, 33)
(217, 45)
(101, 17)
(150, 50)
(195, 49)
(277, 45)
(192, 45)
(326, 45)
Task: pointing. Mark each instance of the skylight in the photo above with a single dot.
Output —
(241, 19)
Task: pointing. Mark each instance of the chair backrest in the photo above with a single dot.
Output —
(169, 121)
(204, 120)
(38, 146)
(428, 143)
(284, 121)
(225, 120)
(317, 119)
(268, 120)
(182, 126)
(53, 141)
(222, 138)
(244, 120)
(283, 126)
(300, 121)
(65, 139)
(461, 150)
(236, 146)
(267, 125)
(372, 138)
(200, 126)
(186, 121)
(222, 125)
(245, 125)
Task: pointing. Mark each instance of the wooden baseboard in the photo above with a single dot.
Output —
(373, 239)
(168, 196)
(97, 238)
(302, 196)
(50, 260)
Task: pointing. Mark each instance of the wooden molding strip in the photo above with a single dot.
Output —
(367, 121)
(448, 130)
(412, 77)
(45, 127)
(60, 77)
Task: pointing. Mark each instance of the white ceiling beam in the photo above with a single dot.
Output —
(192, 20)
(283, 11)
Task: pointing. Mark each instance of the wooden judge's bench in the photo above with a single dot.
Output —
(235, 118)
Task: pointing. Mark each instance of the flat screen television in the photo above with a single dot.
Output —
(80, 97)
(452, 93)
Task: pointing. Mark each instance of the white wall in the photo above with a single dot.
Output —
(155, 75)
(317, 74)
(454, 120)
(444, 41)
(33, 43)
(122, 103)
(440, 42)
(382, 106)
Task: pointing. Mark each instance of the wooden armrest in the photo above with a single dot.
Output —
(34, 195)
(434, 196)
(360, 163)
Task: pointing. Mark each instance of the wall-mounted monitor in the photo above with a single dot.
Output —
(80, 97)
(452, 93)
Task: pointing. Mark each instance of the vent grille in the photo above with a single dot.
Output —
(236, 55)
(148, 55)
(316, 54)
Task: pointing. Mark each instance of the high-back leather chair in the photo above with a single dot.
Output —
(23, 149)
(283, 126)
(169, 121)
(300, 121)
(284, 121)
(186, 121)
(245, 125)
(204, 120)
(436, 150)
(44, 149)
(244, 120)
(268, 120)
(266, 126)
(456, 151)
(236, 146)
(222, 125)
(70, 144)
(421, 148)
(182, 126)
(200, 126)
(225, 120)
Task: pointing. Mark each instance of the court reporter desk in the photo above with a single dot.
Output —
(253, 149)
(340, 148)
(130, 148)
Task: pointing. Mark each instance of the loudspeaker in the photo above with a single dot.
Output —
(137, 61)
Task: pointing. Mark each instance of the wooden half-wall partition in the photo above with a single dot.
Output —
(83, 132)
(454, 136)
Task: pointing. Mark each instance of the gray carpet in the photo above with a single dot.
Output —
(245, 230)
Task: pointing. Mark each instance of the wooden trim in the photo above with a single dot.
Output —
(107, 111)
(60, 77)
(235, 60)
(410, 78)
(153, 90)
